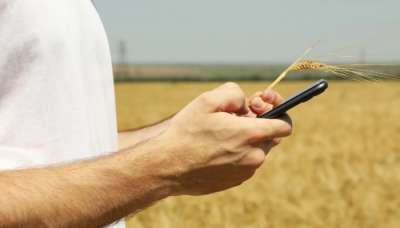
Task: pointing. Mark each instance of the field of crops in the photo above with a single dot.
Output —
(341, 167)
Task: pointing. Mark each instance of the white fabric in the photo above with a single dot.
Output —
(56, 86)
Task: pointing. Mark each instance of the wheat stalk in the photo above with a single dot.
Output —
(343, 71)
(287, 70)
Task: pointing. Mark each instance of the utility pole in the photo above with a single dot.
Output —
(122, 51)
(122, 54)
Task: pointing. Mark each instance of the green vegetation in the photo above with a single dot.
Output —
(227, 72)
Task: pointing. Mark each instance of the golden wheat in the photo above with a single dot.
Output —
(308, 65)
(351, 72)
(339, 169)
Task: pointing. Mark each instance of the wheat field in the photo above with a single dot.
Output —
(341, 167)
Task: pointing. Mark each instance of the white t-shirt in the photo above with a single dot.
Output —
(56, 86)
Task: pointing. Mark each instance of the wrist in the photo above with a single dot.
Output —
(171, 167)
(153, 160)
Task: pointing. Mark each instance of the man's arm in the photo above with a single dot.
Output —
(205, 149)
(130, 138)
(90, 193)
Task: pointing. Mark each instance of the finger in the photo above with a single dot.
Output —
(259, 106)
(264, 129)
(272, 97)
(227, 98)
(256, 94)
(268, 145)
(253, 159)
(256, 130)
(276, 141)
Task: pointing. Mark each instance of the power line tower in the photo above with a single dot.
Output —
(122, 52)
(122, 61)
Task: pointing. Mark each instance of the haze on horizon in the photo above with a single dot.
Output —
(257, 31)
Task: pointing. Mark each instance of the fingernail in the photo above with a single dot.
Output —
(257, 102)
(268, 95)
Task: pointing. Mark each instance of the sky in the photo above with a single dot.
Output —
(252, 31)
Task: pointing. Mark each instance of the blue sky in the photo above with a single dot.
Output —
(258, 31)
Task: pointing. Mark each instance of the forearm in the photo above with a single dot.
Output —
(130, 138)
(86, 194)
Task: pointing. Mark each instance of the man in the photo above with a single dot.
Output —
(57, 107)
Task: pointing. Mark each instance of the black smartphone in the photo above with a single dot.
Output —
(305, 95)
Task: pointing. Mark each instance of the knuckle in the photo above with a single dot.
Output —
(234, 88)
(206, 98)
(276, 141)
(256, 158)
(240, 94)
(232, 85)
(205, 95)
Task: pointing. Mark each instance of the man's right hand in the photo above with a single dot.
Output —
(210, 147)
